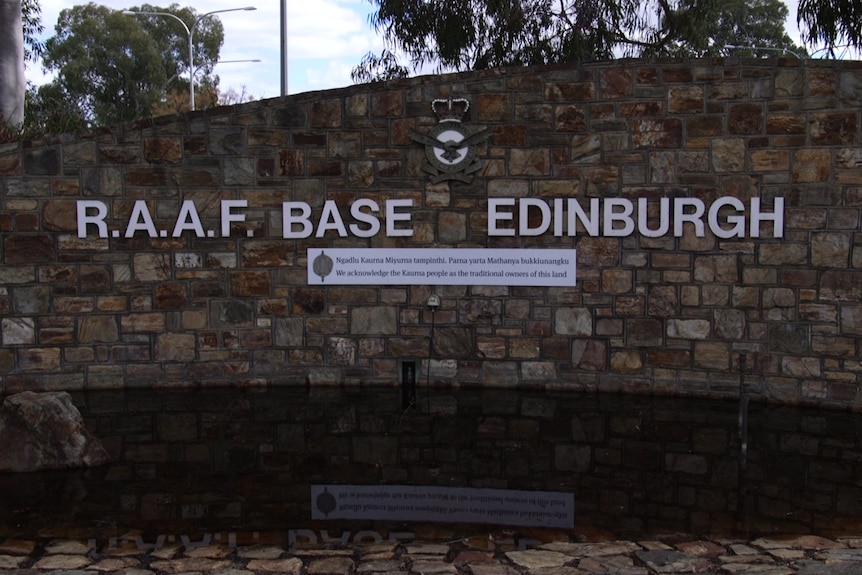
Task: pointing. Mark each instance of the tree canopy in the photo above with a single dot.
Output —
(745, 28)
(113, 68)
(31, 16)
(476, 34)
(833, 23)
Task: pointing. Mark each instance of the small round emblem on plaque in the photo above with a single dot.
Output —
(325, 502)
(322, 265)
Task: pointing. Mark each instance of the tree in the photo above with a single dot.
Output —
(12, 81)
(475, 34)
(833, 23)
(31, 19)
(115, 68)
(746, 28)
(172, 42)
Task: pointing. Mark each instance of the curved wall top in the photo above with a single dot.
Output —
(630, 226)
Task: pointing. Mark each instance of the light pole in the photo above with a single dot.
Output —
(190, 31)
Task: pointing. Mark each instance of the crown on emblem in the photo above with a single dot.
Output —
(450, 109)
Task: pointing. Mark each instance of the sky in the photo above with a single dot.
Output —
(325, 40)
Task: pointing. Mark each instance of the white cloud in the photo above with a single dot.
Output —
(325, 37)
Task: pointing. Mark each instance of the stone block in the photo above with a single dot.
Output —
(451, 227)
(657, 133)
(326, 114)
(161, 150)
(573, 321)
(291, 163)
(685, 99)
(42, 162)
(18, 330)
(728, 155)
(453, 342)
(626, 361)
(341, 351)
(644, 332)
(668, 358)
(238, 171)
(789, 338)
(175, 347)
(688, 328)
(45, 359)
(830, 249)
(98, 329)
(31, 300)
(851, 320)
(529, 162)
(745, 119)
(371, 320)
(590, 355)
(843, 286)
(28, 249)
(712, 355)
(250, 283)
(834, 128)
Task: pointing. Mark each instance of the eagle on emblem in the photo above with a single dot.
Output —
(449, 147)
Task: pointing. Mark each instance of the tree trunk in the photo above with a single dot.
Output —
(12, 81)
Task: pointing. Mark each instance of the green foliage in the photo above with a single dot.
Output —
(832, 23)
(31, 14)
(107, 64)
(476, 34)
(744, 28)
(112, 68)
(173, 42)
(47, 111)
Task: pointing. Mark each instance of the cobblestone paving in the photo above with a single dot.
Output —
(804, 555)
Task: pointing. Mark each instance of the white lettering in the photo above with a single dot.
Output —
(141, 220)
(188, 219)
(643, 218)
(727, 217)
(680, 216)
(393, 217)
(227, 216)
(524, 228)
(97, 219)
(615, 217)
(330, 219)
(365, 218)
(591, 222)
(777, 217)
(494, 216)
(738, 228)
(299, 214)
(624, 216)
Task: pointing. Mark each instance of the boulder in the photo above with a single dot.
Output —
(45, 431)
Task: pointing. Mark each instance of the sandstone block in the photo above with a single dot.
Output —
(18, 330)
(573, 321)
(370, 320)
(175, 347)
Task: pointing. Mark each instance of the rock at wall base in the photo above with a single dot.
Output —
(45, 431)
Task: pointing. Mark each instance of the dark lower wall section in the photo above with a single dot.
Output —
(157, 255)
(215, 461)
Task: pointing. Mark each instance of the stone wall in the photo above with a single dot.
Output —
(204, 461)
(662, 315)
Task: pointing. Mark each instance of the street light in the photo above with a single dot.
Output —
(175, 76)
(190, 31)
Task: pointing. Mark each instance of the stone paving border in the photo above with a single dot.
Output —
(492, 555)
